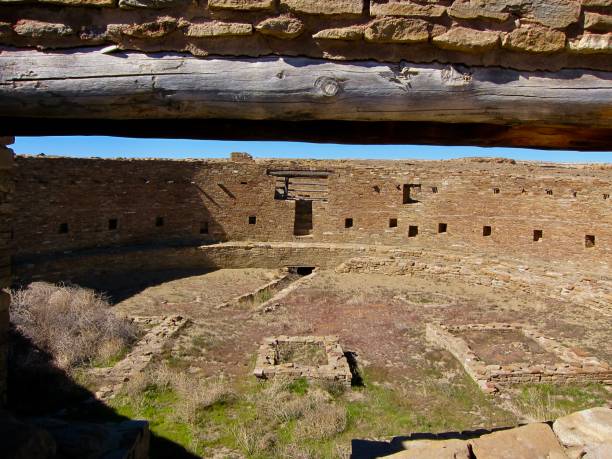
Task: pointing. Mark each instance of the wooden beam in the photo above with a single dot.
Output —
(567, 109)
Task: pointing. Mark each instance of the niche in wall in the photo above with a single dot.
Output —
(413, 231)
(408, 190)
(589, 241)
(486, 230)
(537, 235)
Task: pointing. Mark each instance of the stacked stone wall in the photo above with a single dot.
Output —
(534, 210)
(524, 34)
(569, 368)
(6, 189)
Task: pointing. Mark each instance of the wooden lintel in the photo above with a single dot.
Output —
(371, 102)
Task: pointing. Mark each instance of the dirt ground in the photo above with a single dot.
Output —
(380, 318)
(409, 385)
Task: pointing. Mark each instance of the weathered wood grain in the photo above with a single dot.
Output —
(87, 83)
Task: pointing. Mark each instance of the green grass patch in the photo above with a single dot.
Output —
(544, 402)
(298, 386)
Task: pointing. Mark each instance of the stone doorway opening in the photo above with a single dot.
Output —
(301, 270)
(303, 218)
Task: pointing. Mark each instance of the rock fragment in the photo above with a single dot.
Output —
(591, 43)
(534, 39)
(468, 40)
(324, 7)
(397, 30)
(281, 27)
(243, 5)
(405, 8)
(341, 33)
(218, 29)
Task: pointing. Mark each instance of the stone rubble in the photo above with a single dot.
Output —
(138, 359)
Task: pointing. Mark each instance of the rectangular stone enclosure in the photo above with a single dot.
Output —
(312, 357)
(498, 355)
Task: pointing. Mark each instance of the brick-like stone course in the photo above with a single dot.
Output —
(212, 201)
(533, 34)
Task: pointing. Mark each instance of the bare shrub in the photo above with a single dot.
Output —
(110, 350)
(322, 422)
(73, 324)
(253, 439)
(332, 387)
(196, 394)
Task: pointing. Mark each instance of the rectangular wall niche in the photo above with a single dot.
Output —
(159, 221)
(252, 220)
(407, 192)
(413, 230)
(112, 224)
(537, 235)
(486, 230)
(589, 241)
(63, 228)
(348, 222)
(393, 223)
(204, 228)
(442, 227)
(302, 224)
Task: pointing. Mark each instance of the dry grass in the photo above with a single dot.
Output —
(321, 422)
(197, 395)
(194, 394)
(74, 325)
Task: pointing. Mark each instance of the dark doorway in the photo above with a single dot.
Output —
(301, 270)
(303, 218)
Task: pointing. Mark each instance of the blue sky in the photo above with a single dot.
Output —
(113, 147)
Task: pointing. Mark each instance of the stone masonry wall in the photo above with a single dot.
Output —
(547, 211)
(6, 188)
(523, 34)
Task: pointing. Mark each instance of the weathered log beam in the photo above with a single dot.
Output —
(571, 106)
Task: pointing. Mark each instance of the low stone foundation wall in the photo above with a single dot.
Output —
(588, 285)
(490, 376)
(335, 368)
(75, 266)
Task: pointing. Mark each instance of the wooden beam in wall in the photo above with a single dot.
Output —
(570, 108)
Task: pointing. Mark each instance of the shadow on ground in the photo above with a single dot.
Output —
(371, 449)
(40, 393)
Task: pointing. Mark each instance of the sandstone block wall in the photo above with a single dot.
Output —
(544, 211)
(6, 189)
(525, 34)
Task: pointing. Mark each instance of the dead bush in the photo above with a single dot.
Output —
(322, 422)
(253, 439)
(197, 394)
(74, 325)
